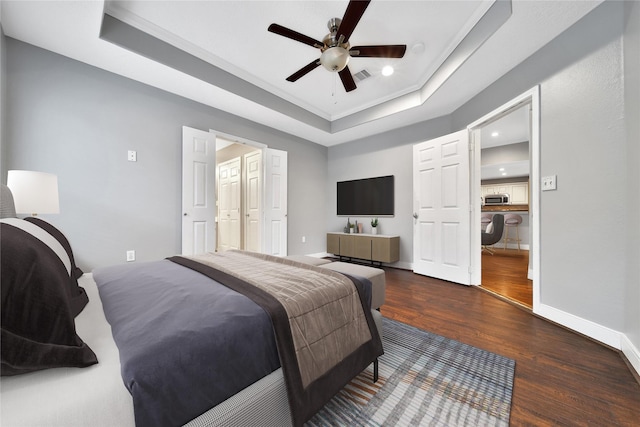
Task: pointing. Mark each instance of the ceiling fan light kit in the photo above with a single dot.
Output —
(335, 48)
(335, 58)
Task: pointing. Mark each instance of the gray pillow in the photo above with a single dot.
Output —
(7, 207)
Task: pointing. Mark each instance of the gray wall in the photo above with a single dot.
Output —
(584, 249)
(583, 142)
(632, 114)
(78, 122)
(505, 153)
(3, 105)
(384, 154)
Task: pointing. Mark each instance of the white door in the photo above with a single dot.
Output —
(229, 203)
(442, 215)
(275, 197)
(198, 191)
(253, 200)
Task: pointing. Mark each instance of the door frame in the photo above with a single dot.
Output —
(532, 97)
(265, 150)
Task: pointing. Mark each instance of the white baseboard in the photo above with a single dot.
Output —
(402, 265)
(605, 335)
(591, 329)
(631, 352)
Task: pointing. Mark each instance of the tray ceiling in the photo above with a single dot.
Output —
(220, 53)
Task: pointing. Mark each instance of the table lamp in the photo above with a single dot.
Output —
(34, 192)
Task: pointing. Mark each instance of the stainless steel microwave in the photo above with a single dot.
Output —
(496, 199)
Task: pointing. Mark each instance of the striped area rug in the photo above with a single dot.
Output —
(425, 379)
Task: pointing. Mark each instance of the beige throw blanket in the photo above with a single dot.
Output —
(323, 307)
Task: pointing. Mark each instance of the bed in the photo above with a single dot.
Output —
(90, 393)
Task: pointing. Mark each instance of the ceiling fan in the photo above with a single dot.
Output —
(335, 47)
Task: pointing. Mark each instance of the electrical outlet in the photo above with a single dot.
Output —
(131, 256)
(132, 156)
(548, 183)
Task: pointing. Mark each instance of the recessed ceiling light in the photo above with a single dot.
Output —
(494, 134)
(387, 70)
(504, 173)
(501, 169)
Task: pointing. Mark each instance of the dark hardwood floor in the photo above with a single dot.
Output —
(561, 378)
(505, 273)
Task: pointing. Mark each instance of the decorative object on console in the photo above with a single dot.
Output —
(374, 226)
(34, 192)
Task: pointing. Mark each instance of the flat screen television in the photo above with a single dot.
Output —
(366, 197)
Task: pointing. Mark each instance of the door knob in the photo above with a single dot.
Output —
(415, 215)
(184, 214)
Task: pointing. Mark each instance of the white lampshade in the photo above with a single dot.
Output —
(34, 192)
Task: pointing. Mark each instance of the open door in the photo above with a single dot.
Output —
(442, 211)
(253, 203)
(229, 205)
(198, 191)
(275, 203)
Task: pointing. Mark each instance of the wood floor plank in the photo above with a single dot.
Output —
(561, 378)
(505, 273)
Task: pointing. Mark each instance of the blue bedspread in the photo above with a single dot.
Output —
(186, 342)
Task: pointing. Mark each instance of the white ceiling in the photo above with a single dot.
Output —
(232, 36)
(512, 128)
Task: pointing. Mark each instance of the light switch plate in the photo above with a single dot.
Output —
(548, 183)
(132, 156)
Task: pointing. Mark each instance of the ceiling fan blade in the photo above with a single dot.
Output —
(294, 35)
(347, 80)
(304, 70)
(351, 17)
(383, 51)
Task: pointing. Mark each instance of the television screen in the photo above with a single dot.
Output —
(366, 197)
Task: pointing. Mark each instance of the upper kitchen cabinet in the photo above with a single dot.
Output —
(518, 191)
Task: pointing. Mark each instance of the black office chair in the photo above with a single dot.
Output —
(495, 228)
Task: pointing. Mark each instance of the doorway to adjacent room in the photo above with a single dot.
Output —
(504, 182)
(513, 271)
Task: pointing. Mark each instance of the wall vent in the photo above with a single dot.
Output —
(361, 75)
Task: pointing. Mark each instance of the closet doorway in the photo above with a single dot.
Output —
(239, 193)
(255, 202)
